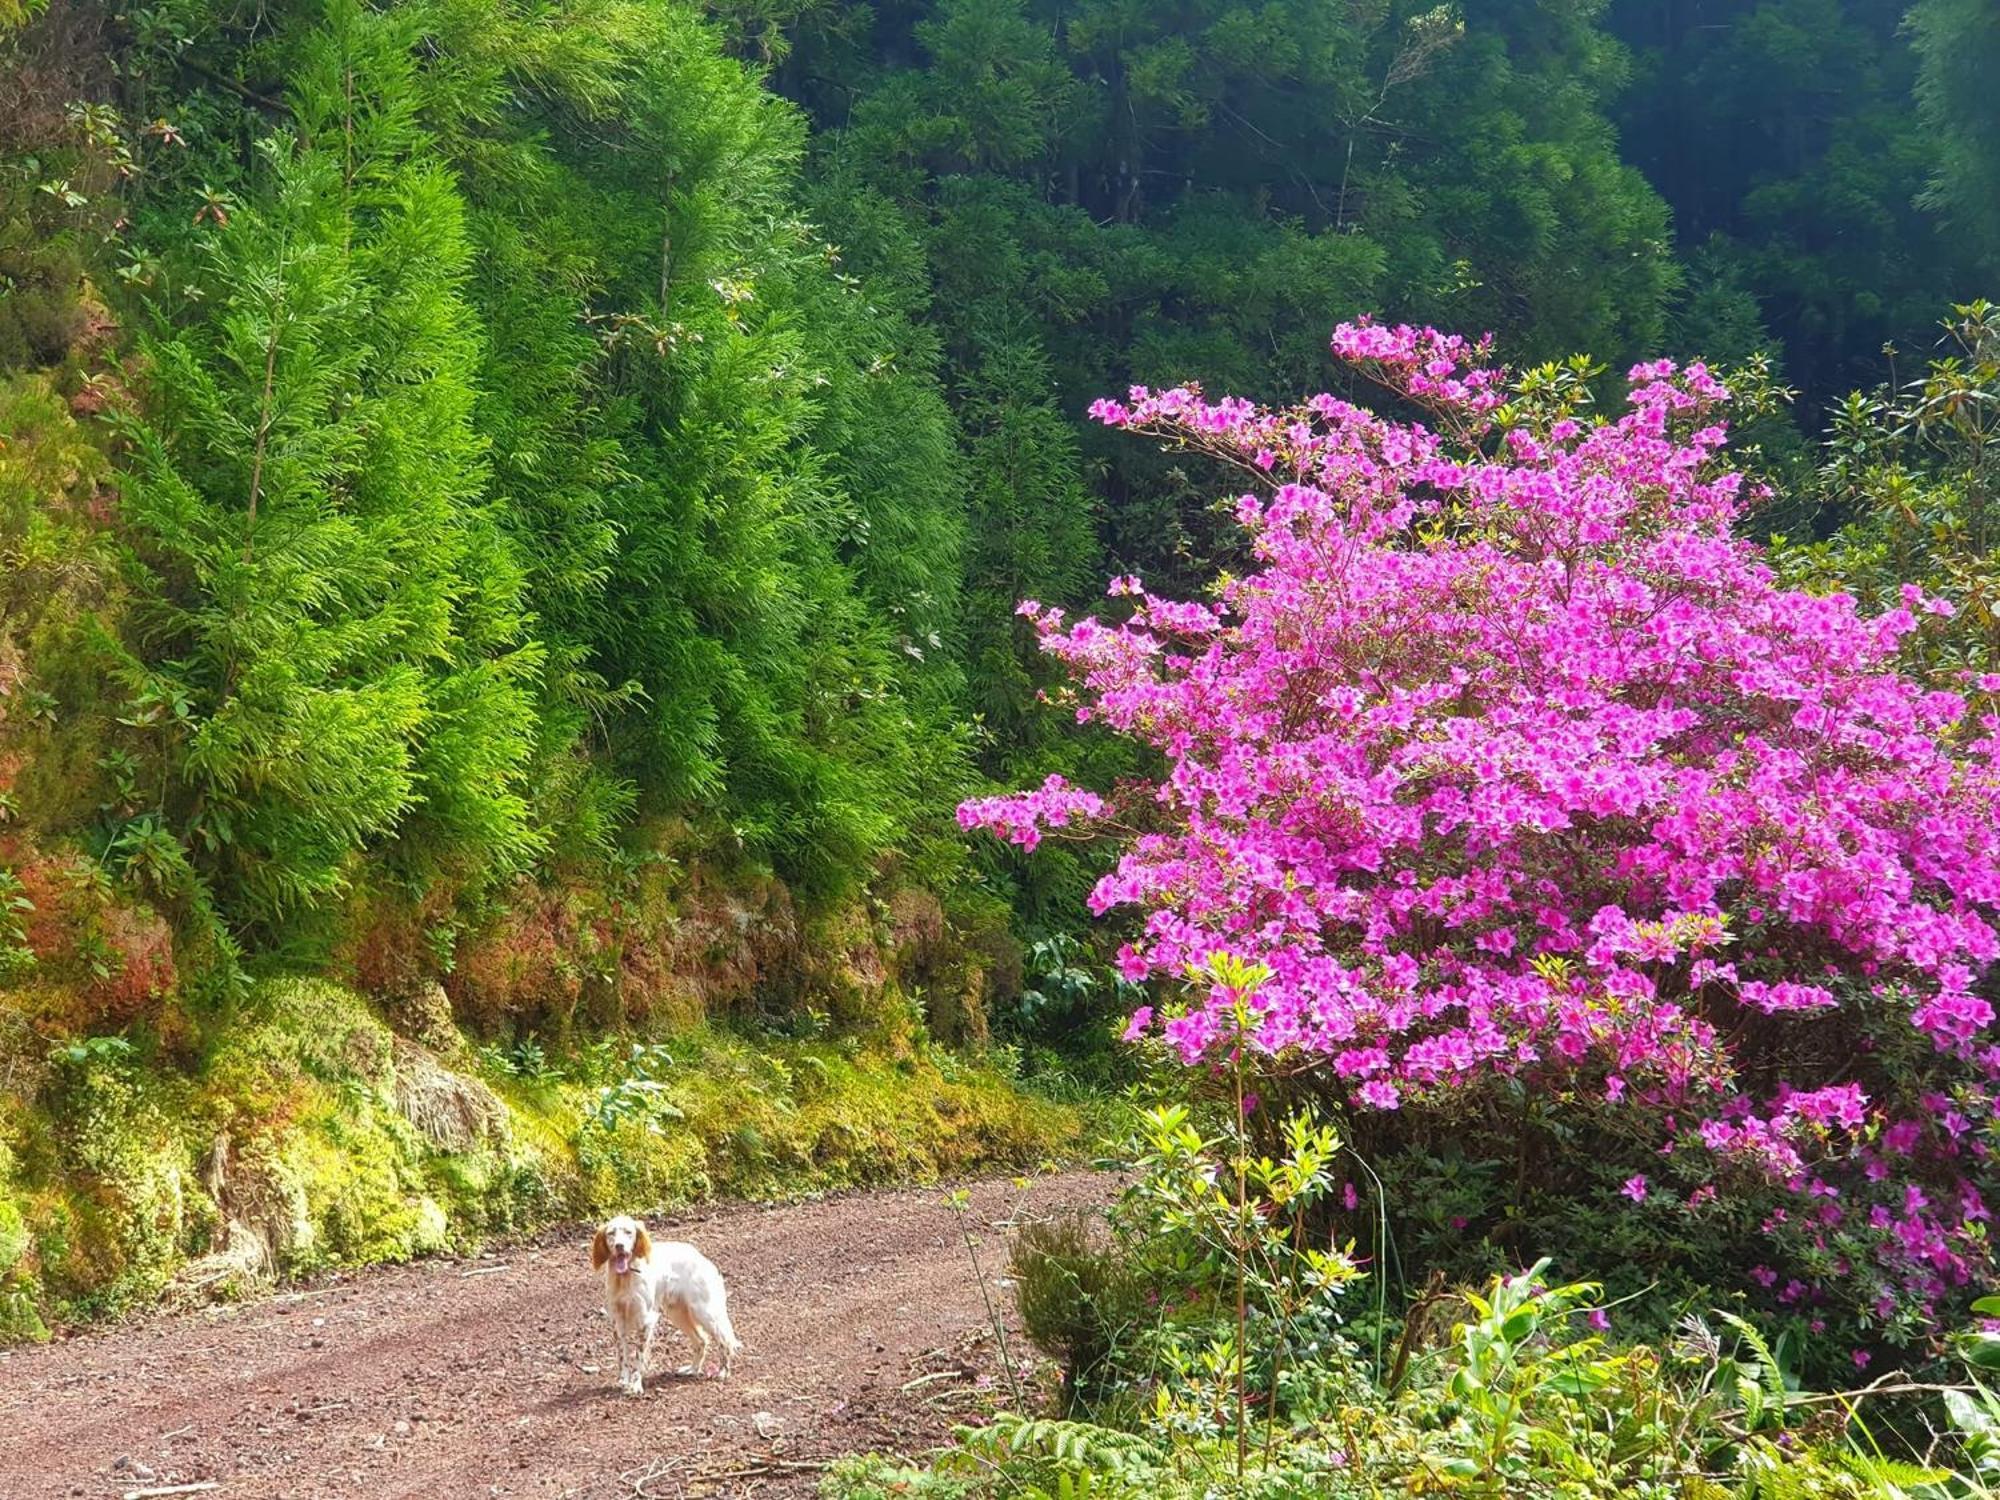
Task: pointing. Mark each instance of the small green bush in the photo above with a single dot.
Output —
(1079, 1299)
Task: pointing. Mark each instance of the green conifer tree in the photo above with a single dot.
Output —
(326, 597)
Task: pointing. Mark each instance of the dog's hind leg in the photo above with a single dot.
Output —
(684, 1321)
(725, 1335)
(716, 1339)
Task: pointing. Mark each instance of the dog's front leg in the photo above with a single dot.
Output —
(645, 1353)
(618, 1352)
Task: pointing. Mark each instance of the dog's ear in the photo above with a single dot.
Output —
(600, 1252)
(643, 1246)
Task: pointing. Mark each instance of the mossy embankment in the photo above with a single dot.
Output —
(682, 1034)
(316, 1136)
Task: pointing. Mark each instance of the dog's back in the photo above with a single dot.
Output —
(684, 1279)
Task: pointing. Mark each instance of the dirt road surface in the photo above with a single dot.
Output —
(864, 1330)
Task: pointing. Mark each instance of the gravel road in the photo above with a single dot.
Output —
(864, 1329)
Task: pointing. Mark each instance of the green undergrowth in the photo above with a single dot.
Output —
(1204, 1338)
(310, 1135)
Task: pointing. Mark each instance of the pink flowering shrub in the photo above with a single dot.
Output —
(1516, 769)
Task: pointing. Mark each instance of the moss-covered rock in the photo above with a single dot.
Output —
(20, 1322)
(119, 1203)
(13, 1236)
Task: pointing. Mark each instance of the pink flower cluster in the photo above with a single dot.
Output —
(1020, 819)
(1509, 757)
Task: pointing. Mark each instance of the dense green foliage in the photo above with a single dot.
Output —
(329, 645)
(1915, 466)
(1113, 193)
(670, 488)
(1958, 44)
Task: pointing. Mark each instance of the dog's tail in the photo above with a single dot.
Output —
(726, 1330)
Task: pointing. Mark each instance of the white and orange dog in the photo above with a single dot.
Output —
(643, 1280)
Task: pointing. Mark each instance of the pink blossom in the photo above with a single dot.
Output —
(1378, 1093)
